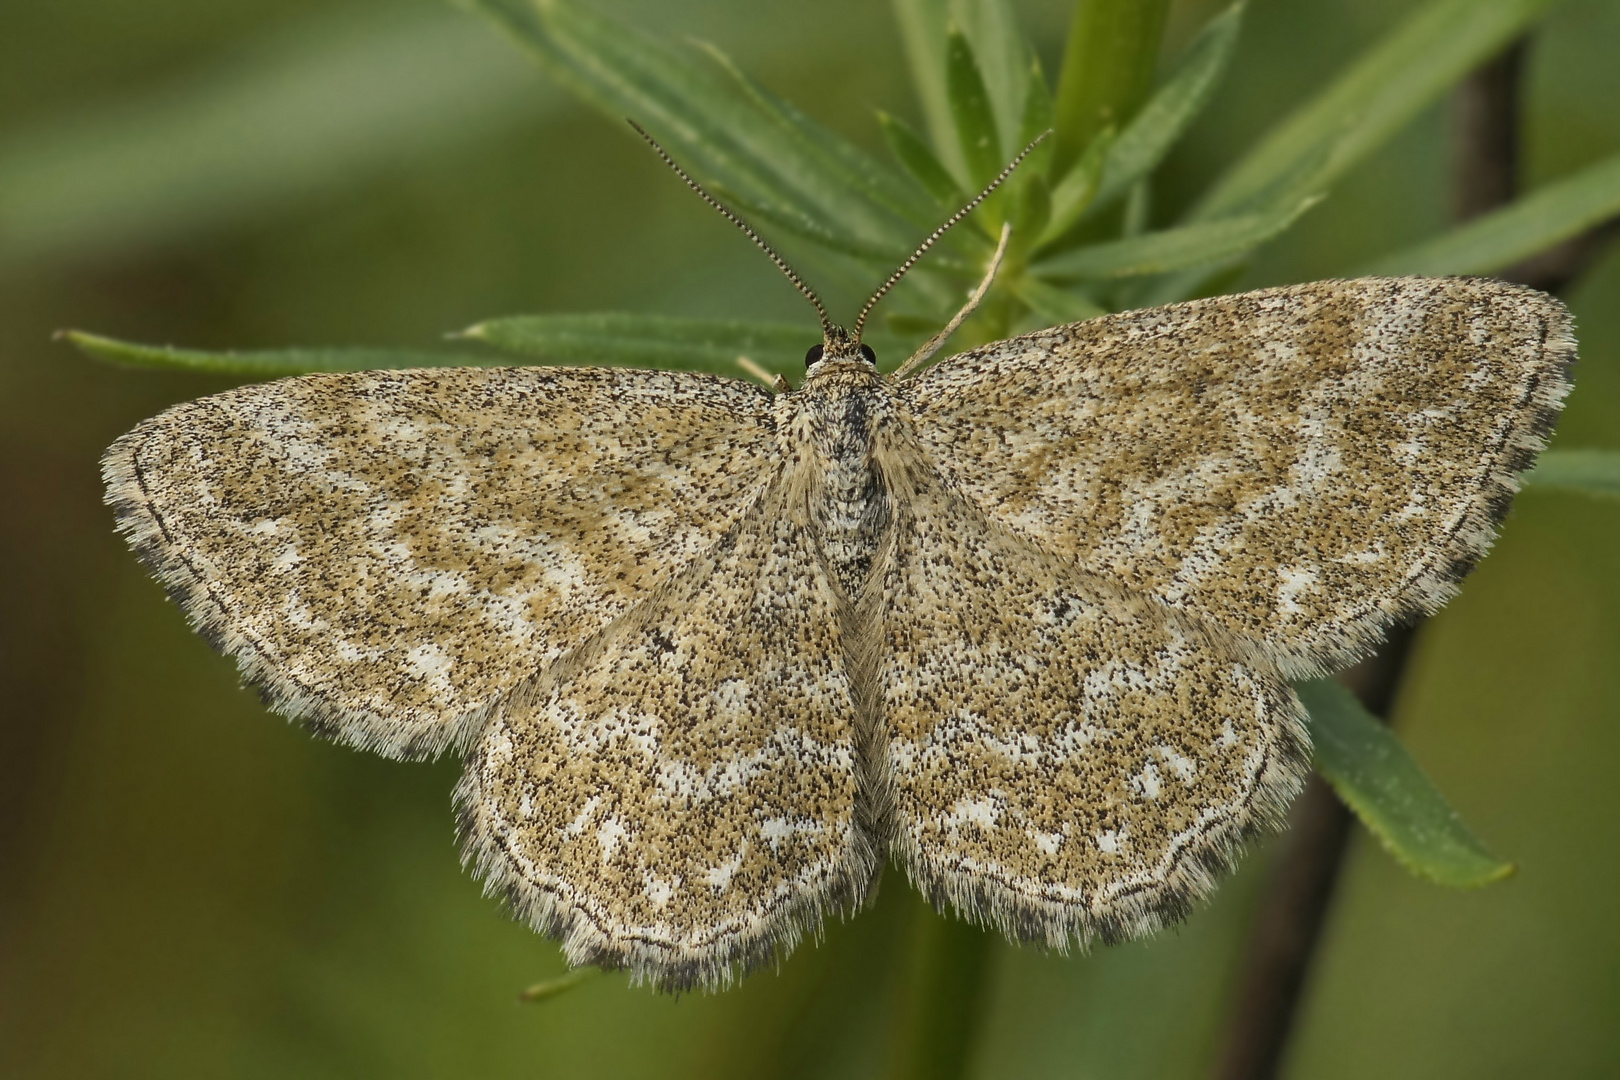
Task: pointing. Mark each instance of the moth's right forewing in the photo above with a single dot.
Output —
(384, 553)
(1302, 466)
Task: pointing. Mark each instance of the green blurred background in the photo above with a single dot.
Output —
(191, 887)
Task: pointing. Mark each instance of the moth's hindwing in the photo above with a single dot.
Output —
(680, 797)
(1067, 761)
(383, 553)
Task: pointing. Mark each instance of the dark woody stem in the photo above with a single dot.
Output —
(1287, 930)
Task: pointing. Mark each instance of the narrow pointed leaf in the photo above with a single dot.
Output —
(1173, 107)
(1076, 192)
(268, 363)
(919, 160)
(1213, 278)
(1589, 472)
(1002, 54)
(790, 219)
(1390, 84)
(1375, 776)
(1037, 118)
(1199, 244)
(1547, 216)
(699, 113)
(1034, 210)
(1108, 68)
(856, 167)
(1056, 305)
(654, 341)
(660, 341)
(975, 121)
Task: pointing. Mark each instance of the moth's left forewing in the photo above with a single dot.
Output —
(384, 553)
(1302, 466)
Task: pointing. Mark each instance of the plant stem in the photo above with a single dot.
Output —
(943, 1003)
(1288, 927)
(1107, 71)
(1287, 931)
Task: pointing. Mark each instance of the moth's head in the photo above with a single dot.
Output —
(839, 346)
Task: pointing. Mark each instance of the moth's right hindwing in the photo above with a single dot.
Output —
(1302, 466)
(1067, 761)
(384, 553)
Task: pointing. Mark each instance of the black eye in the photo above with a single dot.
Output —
(813, 355)
(866, 351)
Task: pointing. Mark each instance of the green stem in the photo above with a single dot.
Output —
(945, 998)
(1107, 71)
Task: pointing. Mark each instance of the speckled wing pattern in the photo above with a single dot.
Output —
(385, 553)
(1302, 466)
(680, 797)
(1024, 623)
(1067, 760)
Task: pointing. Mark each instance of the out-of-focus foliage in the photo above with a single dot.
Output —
(202, 890)
(1376, 777)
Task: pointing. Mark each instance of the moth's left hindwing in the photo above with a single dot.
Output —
(680, 796)
(1300, 466)
(384, 553)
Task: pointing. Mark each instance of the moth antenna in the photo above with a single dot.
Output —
(759, 241)
(922, 249)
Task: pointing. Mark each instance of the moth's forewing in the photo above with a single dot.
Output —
(1302, 466)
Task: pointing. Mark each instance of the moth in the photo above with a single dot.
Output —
(714, 655)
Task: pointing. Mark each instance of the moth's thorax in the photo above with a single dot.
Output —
(832, 421)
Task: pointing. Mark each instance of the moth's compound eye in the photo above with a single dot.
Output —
(866, 351)
(813, 355)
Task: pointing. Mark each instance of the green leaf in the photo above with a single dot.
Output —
(1076, 192)
(1404, 73)
(859, 169)
(1003, 59)
(975, 121)
(1375, 776)
(329, 102)
(1056, 305)
(653, 341)
(1199, 244)
(699, 114)
(265, 364)
(1172, 108)
(1547, 216)
(1590, 472)
(1138, 209)
(1037, 118)
(1034, 209)
(918, 158)
(1108, 68)
(790, 219)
